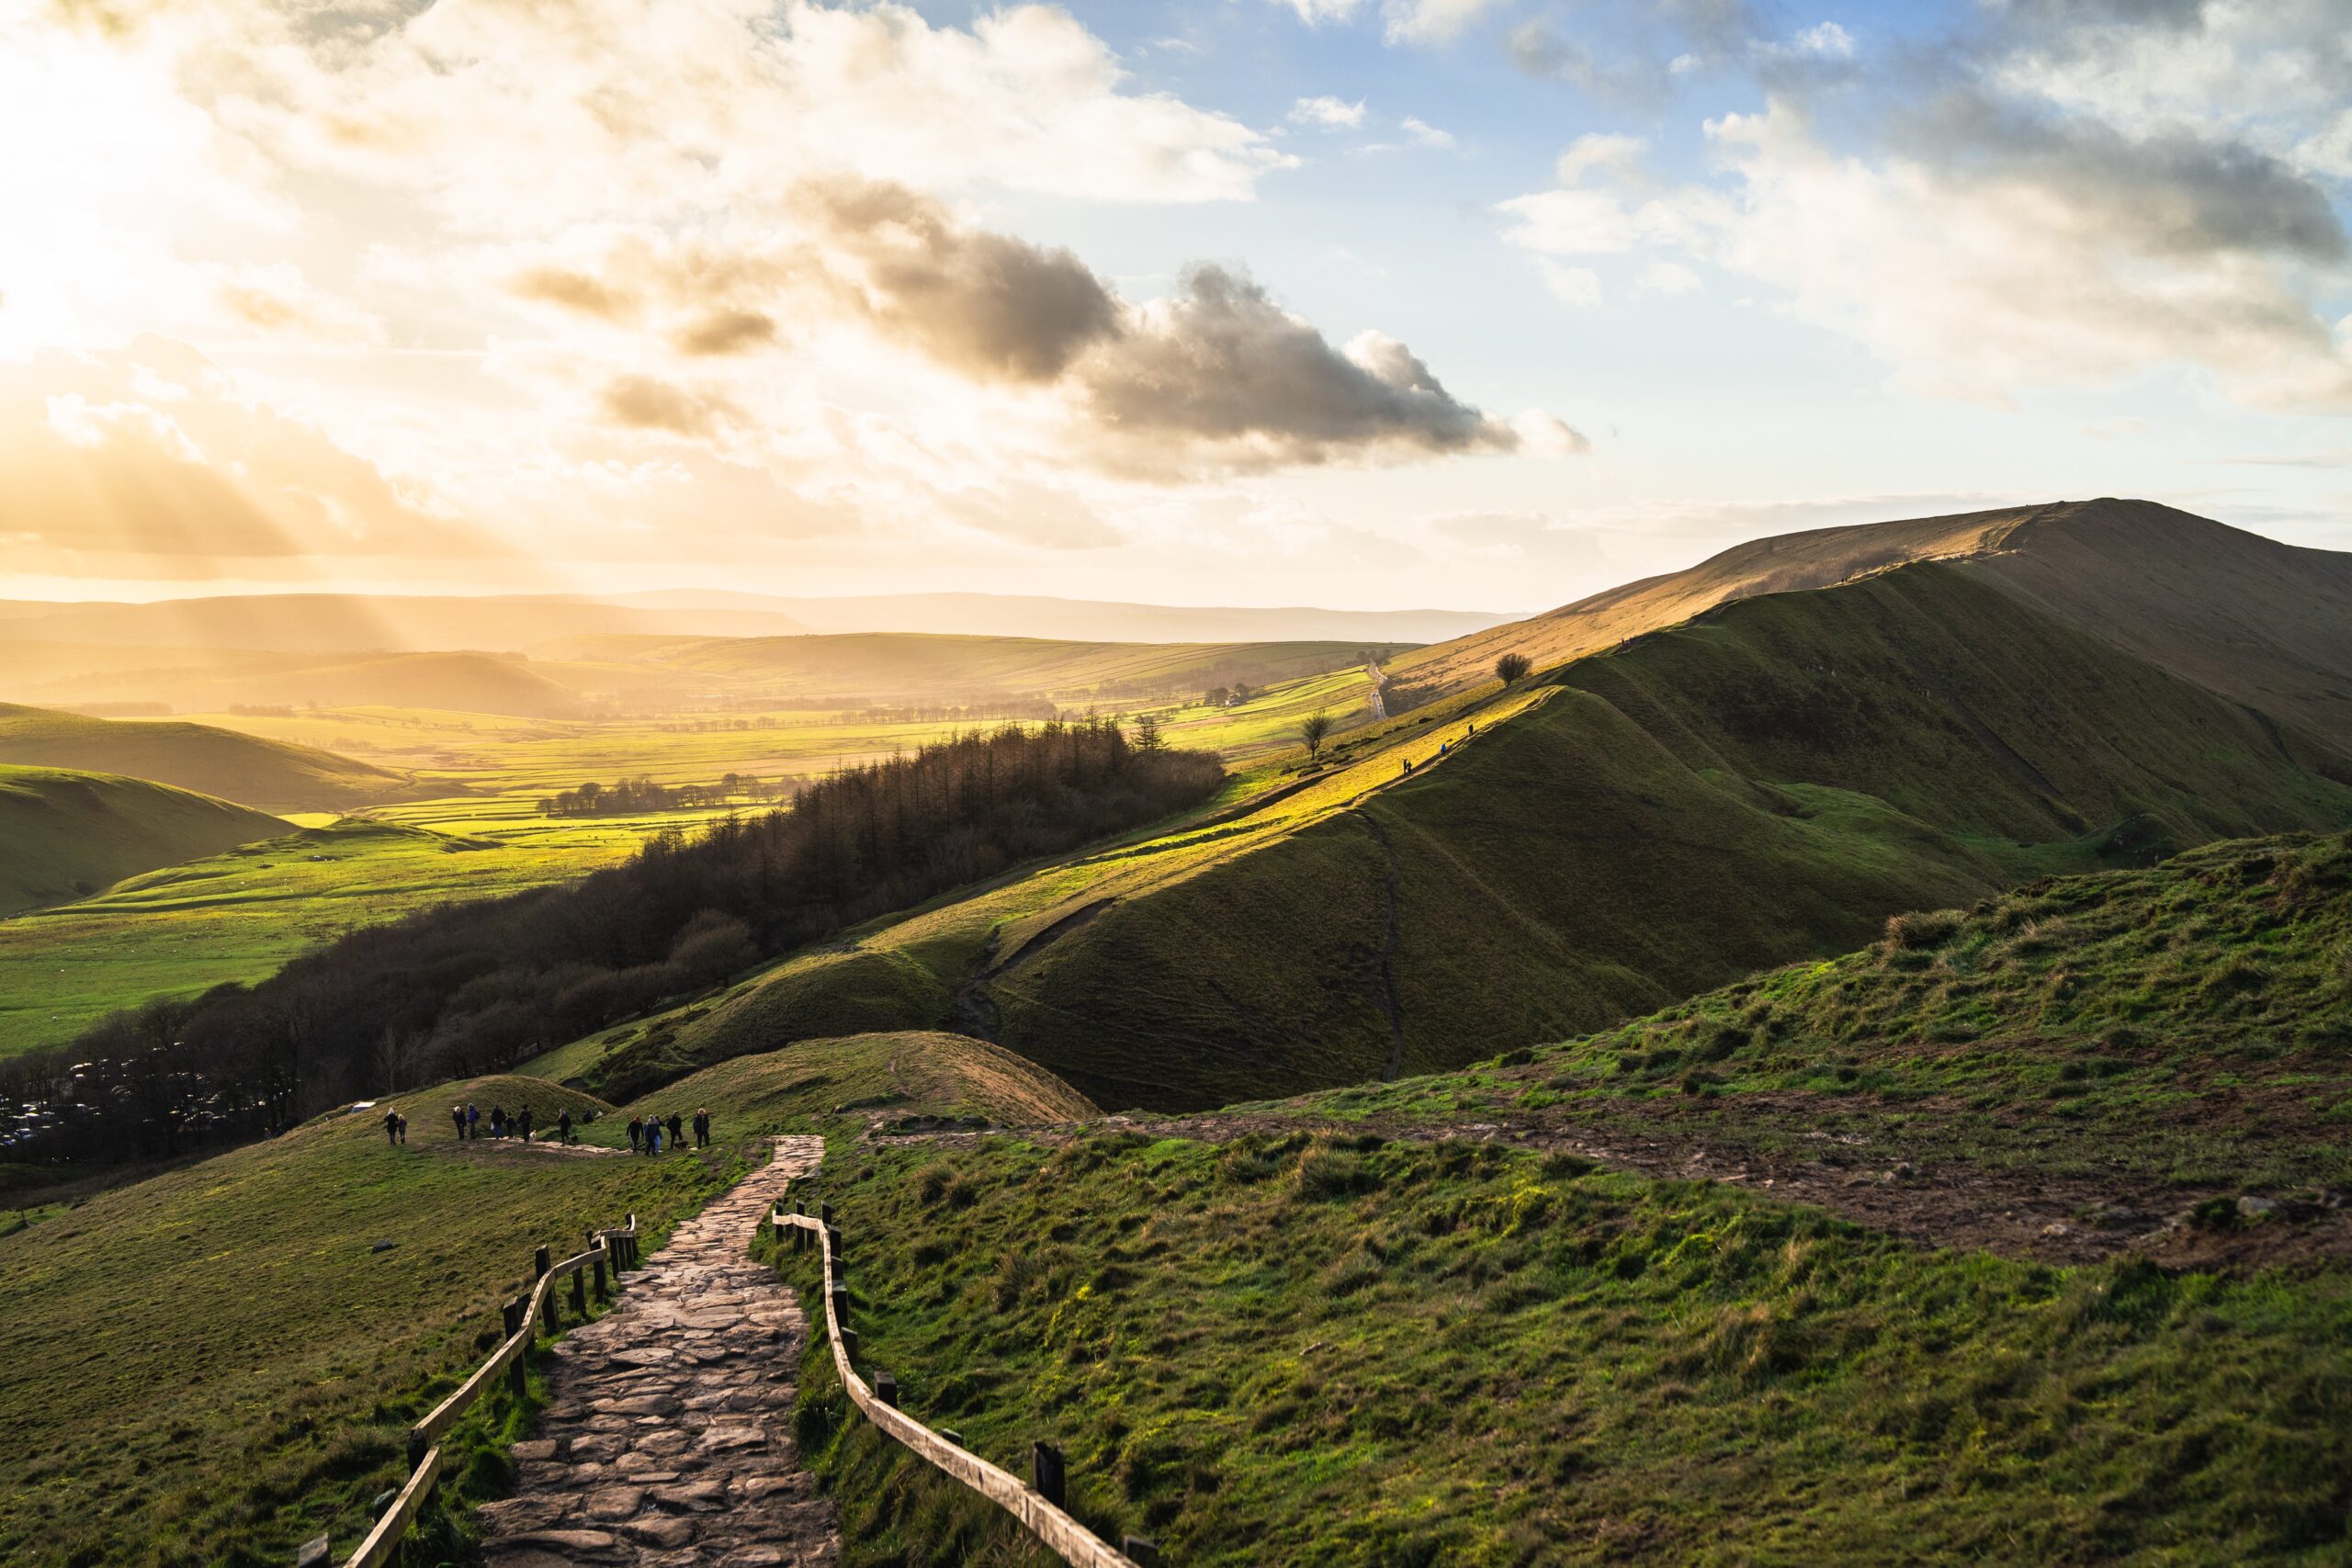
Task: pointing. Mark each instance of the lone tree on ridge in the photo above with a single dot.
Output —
(1513, 667)
(1315, 730)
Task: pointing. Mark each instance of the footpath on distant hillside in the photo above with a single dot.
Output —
(667, 1437)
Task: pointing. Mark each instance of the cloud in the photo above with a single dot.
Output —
(2080, 194)
(992, 306)
(1328, 112)
(1423, 22)
(147, 459)
(1218, 375)
(727, 331)
(1425, 134)
(645, 402)
(1432, 21)
(1577, 286)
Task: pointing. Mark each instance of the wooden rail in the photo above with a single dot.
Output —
(608, 1252)
(1077, 1545)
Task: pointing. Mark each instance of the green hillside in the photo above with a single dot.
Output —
(69, 834)
(1590, 1293)
(1768, 782)
(269, 775)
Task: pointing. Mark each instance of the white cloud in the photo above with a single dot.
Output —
(1326, 111)
(1432, 21)
(1578, 286)
(1599, 151)
(1661, 276)
(1425, 134)
(1823, 40)
(1422, 22)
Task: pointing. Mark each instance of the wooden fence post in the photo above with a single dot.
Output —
(840, 1306)
(1141, 1550)
(1047, 1471)
(825, 1214)
(541, 1261)
(602, 1292)
(849, 1345)
(518, 1373)
(580, 1293)
(885, 1389)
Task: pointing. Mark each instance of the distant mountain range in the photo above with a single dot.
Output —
(333, 623)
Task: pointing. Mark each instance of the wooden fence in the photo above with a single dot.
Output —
(608, 1252)
(1042, 1516)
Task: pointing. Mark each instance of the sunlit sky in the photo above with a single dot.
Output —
(1377, 303)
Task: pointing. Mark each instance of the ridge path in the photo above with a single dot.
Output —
(667, 1437)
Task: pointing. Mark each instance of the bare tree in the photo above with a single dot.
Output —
(1513, 667)
(1315, 730)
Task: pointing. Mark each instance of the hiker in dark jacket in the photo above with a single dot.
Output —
(391, 1126)
(458, 1117)
(473, 1121)
(563, 1128)
(403, 1129)
(523, 1124)
(678, 1126)
(498, 1121)
(702, 1129)
(636, 1133)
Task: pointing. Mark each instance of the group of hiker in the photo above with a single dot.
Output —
(467, 1119)
(645, 1134)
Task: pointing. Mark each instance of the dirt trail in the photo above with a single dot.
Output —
(667, 1439)
(1379, 698)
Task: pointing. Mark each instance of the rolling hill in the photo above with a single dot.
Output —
(269, 775)
(371, 623)
(1766, 782)
(68, 834)
(2267, 623)
(942, 669)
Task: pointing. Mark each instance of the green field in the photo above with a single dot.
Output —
(266, 773)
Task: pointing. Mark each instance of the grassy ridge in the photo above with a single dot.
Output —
(70, 833)
(1351, 1352)
(1771, 782)
(2132, 1034)
(271, 775)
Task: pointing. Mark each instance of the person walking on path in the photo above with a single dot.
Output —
(563, 1128)
(473, 1121)
(677, 1131)
(702, 1129)
(653, 1135)
(391, 1126)
(636, 1134)
(403, 1129)
(522, 1123)
(498, 1121)
(458, 1119)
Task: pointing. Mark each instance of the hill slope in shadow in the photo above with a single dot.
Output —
(1770, 782)
(68, 834)
(269, 775)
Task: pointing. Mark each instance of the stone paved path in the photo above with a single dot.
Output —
(667, 1439)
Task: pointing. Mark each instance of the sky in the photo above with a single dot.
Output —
(1483, 304)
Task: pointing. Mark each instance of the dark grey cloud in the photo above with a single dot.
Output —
(2169, 193)
(993, 307)
(1218, 373)
(1221, 362)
